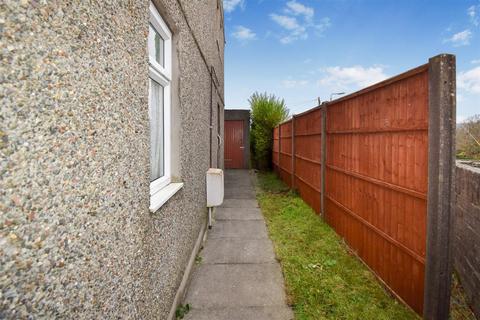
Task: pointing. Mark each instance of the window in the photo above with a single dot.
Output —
(160, 65)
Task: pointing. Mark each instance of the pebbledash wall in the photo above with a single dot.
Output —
(466, 247)
(77, 237)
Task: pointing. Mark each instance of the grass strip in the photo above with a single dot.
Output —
(324, 280)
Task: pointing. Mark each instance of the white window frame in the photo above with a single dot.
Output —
(162, 188)
(161, 27)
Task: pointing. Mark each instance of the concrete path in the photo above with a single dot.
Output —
(238, 277)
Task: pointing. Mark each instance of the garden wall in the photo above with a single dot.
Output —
(378, 165)
(466, 250)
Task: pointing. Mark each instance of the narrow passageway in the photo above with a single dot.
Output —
(238, 276)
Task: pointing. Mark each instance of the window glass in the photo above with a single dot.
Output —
(156, 46)
(157, 157)
(159, 44)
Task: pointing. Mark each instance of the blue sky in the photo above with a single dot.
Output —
(303, 49)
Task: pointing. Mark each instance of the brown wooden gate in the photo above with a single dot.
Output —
(378, 165)
(234, 144)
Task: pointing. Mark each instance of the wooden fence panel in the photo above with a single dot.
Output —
(275, 149)
(285, 162)
(308, 157)
(376, 175)
(376, 179)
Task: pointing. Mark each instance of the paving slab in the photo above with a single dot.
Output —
(241, 229)
(234, 175)
(238, 182)
(238, 276)
(239, 193)
(239, 203)
(222, 251)
(245, 181)
(241, 313)
(236, 285)
(238, 214)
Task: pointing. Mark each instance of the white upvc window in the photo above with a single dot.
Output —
(159, 109)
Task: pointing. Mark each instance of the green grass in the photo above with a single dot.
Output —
(182, 311)
(324, 281)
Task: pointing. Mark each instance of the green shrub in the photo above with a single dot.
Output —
(468, 138)
(267, 112)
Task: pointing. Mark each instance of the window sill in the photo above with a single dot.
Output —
(158, 199)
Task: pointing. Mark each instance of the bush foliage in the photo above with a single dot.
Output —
(468, 138)
(267, 112)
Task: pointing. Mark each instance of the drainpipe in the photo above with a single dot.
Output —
(211, 113)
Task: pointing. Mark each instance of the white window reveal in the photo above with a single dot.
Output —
(159, 108)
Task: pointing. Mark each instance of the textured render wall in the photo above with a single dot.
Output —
(467, 232)
(210, 37)
(205, 18)
(77, 239)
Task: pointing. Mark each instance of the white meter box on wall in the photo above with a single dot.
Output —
(214, 187)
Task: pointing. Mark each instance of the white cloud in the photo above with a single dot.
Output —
(475, 61)
(291, 38)
(472, 12)
(461, 38)
(461, 118)
(323, 25)
(289, 83)
(356, 76)
(297, 20)
(460, 97)
(243, 34)
(296, 31)
(231, 5)
(289, 23)
(296, 8)
(470, 80)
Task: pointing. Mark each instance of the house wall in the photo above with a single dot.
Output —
(466, 245)
(234, 114)
(77, 237)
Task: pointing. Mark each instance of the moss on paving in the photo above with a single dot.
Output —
(324, 281)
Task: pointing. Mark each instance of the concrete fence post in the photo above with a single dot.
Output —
(323, 156)
(441, 192)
